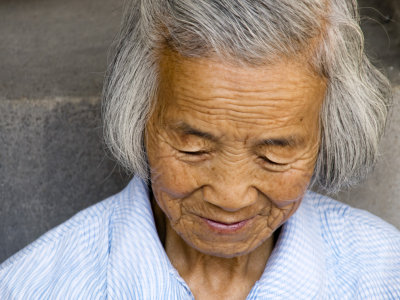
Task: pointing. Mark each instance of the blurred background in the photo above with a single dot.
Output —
(53, 163)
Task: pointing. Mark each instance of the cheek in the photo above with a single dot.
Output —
(279, 215)
(172, 181)
(285, 191)
(288, 187)
(291, 185)
(171, 176)
(167, 173)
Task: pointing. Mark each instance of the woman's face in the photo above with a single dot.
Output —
(232, 149)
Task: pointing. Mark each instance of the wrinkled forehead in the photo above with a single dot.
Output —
(288, 77)
(279, 97)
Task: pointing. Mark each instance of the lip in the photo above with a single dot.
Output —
(225, 228)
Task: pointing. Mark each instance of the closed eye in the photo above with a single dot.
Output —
(194, 153)
(267, 160)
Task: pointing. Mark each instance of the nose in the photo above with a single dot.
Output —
(230, 194)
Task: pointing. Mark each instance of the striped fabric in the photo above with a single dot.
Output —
(111, 250)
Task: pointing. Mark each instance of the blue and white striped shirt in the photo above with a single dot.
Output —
(326, 250)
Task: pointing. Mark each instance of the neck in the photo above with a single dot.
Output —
(218, 275)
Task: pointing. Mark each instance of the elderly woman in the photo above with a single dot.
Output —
(228, 112)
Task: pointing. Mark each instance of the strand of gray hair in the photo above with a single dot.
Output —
(252, 32)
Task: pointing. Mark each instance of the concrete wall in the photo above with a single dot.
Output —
(52, 161)
(380, 193)
(53, 55)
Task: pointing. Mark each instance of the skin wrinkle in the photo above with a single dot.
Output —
(235, 112)
(233, 148)
(220, 115)
(228, 181)
(232, 116)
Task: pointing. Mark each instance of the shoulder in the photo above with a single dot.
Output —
(343, 222)
(69, 257)
(362, 249)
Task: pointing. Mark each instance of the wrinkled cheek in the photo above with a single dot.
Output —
(288, 211)
(277, 215)
(171, 183)
(170, 206)
(173, 177)
(286, 196)
(186, 227)
(289, 190)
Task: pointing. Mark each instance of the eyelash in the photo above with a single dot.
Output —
(194, 153)
(199, 153)
(267, 160)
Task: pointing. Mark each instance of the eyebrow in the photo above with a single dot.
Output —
(290, 141)
(187, 129)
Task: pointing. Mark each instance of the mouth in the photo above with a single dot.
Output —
(225, 228)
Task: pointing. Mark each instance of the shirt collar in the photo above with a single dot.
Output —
(295, 268)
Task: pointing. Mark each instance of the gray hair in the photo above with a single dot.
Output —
(251, 32)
